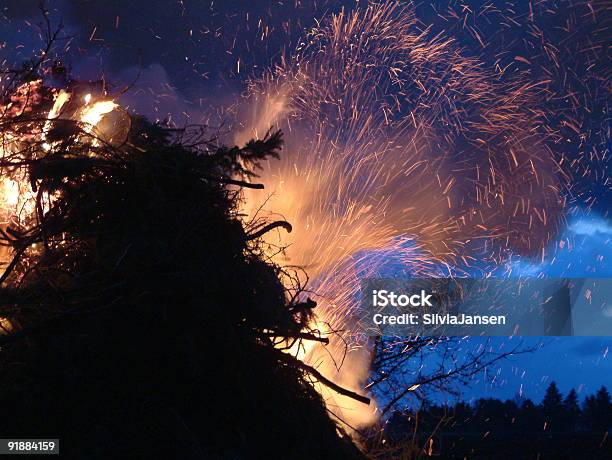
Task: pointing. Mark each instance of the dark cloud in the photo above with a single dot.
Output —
(205, 47)
(197, 42)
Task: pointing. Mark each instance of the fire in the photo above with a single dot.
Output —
(60, 100)
(47, 107)
(11, 192)
(398, 147)
(28, 98)
(6, 327)
(91, 116)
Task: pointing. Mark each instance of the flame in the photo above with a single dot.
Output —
(91, 116)
(10, 192)
(6, 327)
(16, 197)
(17, 200)
(60, 100)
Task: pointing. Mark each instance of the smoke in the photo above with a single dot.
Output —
(153, 95)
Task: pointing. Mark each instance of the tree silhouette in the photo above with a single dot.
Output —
(598, 410)
(531, 417)
(552, 405)
(571, 407)
(490, 428)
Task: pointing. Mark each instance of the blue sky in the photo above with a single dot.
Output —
(583, 250)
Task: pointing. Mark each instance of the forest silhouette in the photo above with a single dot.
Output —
(560, 426)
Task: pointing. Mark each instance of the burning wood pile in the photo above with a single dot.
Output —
(135, 302)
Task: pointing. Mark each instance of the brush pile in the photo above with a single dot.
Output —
(140, 314)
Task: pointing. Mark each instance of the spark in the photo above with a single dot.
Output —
(399, 147)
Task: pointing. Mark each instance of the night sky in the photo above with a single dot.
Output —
(194, 58)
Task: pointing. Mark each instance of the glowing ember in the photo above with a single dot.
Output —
(6, 326)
